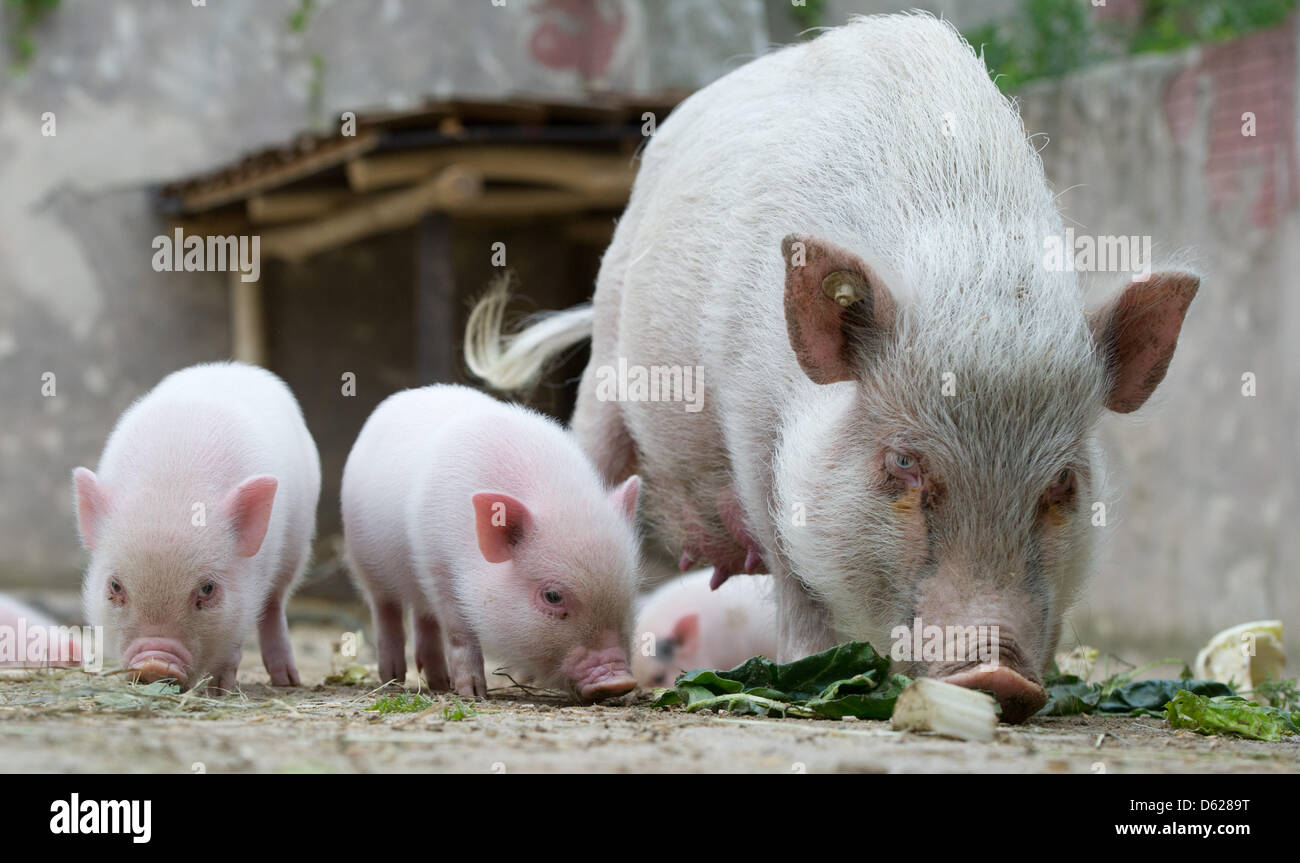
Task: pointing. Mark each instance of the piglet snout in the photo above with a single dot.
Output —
(158, 658)
(597, 674)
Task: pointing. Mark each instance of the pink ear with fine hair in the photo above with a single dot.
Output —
(501, 523)
(249, 509)
(92, 506)
(624, 497)
(1136, 333)
(686, 631)
(836, 308)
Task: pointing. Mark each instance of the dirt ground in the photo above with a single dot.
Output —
(71, 721)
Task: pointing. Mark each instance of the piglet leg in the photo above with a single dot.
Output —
(430, 658)
(465, 662)
(390, 639)
(223, 676)
(277, 652)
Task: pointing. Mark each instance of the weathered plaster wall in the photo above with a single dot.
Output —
(143, 92)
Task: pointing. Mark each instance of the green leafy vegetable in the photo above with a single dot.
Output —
(1231, 714)
(847, 680)
(1068, 695)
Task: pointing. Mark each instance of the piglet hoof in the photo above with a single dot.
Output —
(437, 677)
(392, 671)
(284, 675)
(222, 683)
(471, 685)
(278, 660)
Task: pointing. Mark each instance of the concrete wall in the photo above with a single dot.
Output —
(143, 92)
(1207, 480)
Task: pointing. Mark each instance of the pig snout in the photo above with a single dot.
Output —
(597, 674)
(158, 658)
(1005, 673)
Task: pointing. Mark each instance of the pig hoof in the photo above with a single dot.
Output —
(286, 676)
(438, 681)
(471, 687)
(394, 674)
(221, 685)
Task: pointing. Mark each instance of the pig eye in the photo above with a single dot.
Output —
(1062, 485)
(114, 586)
(553, 597)
(206, 591)
(904, 467)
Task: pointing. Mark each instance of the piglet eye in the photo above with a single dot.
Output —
(115, 586)
(207, 588)
(554, 597)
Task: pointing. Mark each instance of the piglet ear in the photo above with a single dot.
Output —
(624, 497)
(837, 310)
(92, 505)
(686, 631)
(501, 522)
(249, 509)
(1136, 334)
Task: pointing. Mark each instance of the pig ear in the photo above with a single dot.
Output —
(837, 310)
(249, 509)
(1136, 334)
(92, 505)
(501, 522)
(686, 631)
(624, 497)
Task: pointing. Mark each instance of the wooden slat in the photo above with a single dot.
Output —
(296, 204)
(526, 203)
(247, 180)
(582, 170)
(247, 321)
(452, 186)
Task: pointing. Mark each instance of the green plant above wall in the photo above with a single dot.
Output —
(1051, 38)
(25, 15)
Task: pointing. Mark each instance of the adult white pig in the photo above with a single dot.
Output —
(847, 237)
(199, 523)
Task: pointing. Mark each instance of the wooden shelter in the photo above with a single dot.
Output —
(571, 164)
(373, 244)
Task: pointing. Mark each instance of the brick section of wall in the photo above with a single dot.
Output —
(1255, 74)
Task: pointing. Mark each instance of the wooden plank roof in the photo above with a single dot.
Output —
(603, 122)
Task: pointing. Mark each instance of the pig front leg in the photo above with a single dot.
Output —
(224, 675)
(273, 637)
(390, 639)
(430, 658)
(465, 662)
(803, 623)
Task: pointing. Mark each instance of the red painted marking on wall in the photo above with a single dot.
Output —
(1253, 74)
(577, 34)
